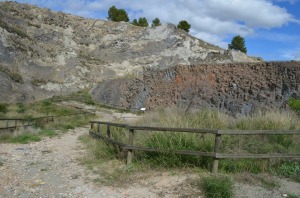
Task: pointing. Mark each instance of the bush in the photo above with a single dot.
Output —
(21, 108)
(294, 104)
(3, 108)
(217, 187)
(290, 169)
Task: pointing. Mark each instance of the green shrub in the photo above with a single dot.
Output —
(294, 104)
(217, 187)
(3, 108)
(21, 108)
(289, 169)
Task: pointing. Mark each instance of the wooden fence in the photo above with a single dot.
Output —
(129, 145)
(23, 123)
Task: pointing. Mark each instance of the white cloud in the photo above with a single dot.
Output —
(289, 1)
(292, 54)
(211, 20)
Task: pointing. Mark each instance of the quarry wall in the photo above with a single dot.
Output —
(237, 88)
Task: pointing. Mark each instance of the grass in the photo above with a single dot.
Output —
(13, 29)
(62, 122)
(211, 119)
(26, 136)
(217, 187)
(100, 158)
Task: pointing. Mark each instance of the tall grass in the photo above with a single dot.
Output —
(212, 119)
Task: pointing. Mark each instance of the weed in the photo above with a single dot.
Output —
(48, 132)
(292, 195)
(289, 169)
(217, 187)
(3, 108)
(25, 138)
(13, 29)
(21, 108)
(294, 104)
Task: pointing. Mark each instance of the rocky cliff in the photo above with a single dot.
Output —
(54, 52)
(237, 88)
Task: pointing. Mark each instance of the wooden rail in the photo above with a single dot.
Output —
(30, 122)
(129, 145)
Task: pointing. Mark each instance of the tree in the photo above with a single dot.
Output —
(135, 22)
(143, 22)
(112, 13)
(238, 43)
(117, 15)
(184, 25)
(156, 22)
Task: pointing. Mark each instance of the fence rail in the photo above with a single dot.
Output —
(21, 122)
(130, 147)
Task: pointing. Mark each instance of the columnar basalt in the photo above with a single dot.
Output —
(239, 88)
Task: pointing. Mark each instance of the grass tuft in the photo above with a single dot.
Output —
(217, 187)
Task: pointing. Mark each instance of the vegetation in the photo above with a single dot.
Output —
(64, 118)
(3, 108)
(184, 25)
(14, 76)
(156, 22)
(142, 22)
(238, 43)
(210, 119)
(13, 29)
(217, 187)
(294, 105)
(117, 15)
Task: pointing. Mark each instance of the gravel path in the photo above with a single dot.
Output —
(50, 168)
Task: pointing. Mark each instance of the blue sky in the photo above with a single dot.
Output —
(270, 27)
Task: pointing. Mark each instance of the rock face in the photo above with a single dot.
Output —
(238, 88)
(58, 52)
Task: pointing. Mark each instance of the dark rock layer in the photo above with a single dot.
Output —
(239, 88)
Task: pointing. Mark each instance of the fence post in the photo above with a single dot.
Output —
(98, 128)
(216, 150)
(108, 131)
(92, 126)
(130, 142)
(16, 123)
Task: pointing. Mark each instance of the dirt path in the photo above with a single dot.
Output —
(50, 168)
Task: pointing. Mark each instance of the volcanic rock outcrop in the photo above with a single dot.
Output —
(237, 88)
(57, 53)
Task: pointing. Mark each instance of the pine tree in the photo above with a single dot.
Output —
(238, 43)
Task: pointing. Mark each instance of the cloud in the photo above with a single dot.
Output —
(293, 54)
(211, 20)
(289, 1)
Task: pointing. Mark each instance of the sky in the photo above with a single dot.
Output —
(270, 27)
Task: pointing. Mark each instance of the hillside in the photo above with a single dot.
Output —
(43, 53)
